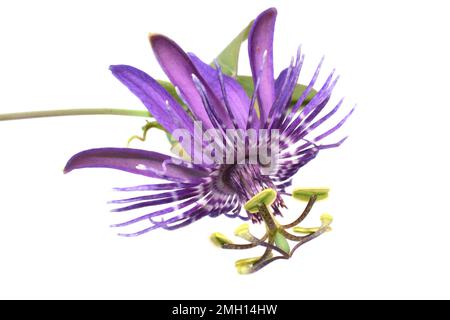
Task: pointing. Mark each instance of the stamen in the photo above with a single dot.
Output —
(305, 194)
(219, 239)
(276, 238)
(304, 214)
(265, 197)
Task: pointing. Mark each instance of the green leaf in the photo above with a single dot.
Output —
(247, 83)
(229, 57)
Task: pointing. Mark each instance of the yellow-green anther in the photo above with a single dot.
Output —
(305, 230)
(281, 242)
(243, 232)
(244, 266)
(219, 239)
(304, 194)
(326, 219)
(246, 261)
(265, 197)
(242, 229)
(308, 230)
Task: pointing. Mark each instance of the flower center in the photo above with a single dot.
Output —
(246, 180)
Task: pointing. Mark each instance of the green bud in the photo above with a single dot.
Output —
(265, 197)
(304, 194)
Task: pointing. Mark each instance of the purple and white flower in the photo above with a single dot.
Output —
(202, 184)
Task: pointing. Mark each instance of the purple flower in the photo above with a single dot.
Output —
(196, 189)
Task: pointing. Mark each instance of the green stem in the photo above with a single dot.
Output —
(73, 112)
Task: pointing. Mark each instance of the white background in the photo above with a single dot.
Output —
(389, 181)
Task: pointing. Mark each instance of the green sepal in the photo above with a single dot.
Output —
(170, 88)
(247, 83)
(228, 59)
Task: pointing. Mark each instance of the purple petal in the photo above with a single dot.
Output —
(237, 98)
(166, 110)
(179, 68)
(146, 163)
(280, 81)
(260, 50)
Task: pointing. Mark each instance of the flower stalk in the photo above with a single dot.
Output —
(74, 112)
